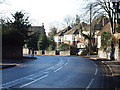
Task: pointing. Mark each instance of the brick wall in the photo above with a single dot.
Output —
(49, 52)
(65, 53)
(103, 54)
(25, 51)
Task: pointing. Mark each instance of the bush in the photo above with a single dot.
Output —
(84, 52)
(64, 47)
(118, 29)
(106, 39)
(73, 50)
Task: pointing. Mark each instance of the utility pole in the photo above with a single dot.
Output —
(90, 29)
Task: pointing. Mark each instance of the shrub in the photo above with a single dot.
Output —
(64, 47)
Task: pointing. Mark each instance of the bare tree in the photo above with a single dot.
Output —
(68, 20)
(53, 31)
(109, 7)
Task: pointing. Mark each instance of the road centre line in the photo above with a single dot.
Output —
(90, 83)
(33, 81)
(58, 69)
(96, 71)
(67, 62)
(16, 80)
(96, 65)
(53, 66)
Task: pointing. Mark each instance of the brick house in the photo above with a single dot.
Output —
(59, 37)
(71, 36)
(33, 30)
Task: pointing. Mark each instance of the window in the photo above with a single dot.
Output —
(65, 37)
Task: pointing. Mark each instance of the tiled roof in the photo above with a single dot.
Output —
(97, 24)
(62, 32)
(106, 28)
(75, 30)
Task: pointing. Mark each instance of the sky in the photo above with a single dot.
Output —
(49, 12)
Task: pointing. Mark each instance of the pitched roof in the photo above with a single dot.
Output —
(85, 26)
(106, 28)
(74, 30)
(62, 32)
(99, 23)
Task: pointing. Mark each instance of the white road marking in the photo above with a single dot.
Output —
(53, 67)
(17, 80)
(27, 77)
(45, 72)
(67, 62)
(96, 65)
(48, 69)
(33, 81)
(60, 61)
(90, 83)
(58, 69)
(96, 71)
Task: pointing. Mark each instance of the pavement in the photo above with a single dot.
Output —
(8, 63)
(113, 65)
(4, 66)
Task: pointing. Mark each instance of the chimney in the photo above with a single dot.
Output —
(42, 24)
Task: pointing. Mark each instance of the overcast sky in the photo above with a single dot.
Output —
(49, 12)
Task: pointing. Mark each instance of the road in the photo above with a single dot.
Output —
(55, 72)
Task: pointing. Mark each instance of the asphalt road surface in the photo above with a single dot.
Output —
(55, 72)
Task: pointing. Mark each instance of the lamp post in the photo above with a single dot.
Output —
(90, 41)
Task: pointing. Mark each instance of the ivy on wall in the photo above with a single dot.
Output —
(106, 39)
(118, 29)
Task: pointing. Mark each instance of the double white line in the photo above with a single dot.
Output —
(33, 81)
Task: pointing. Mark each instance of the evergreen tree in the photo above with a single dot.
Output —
(14, 35)
(77, 20)
(15, 32)
(32, 42)
(64, 47)
(52, 44)
(42, 42)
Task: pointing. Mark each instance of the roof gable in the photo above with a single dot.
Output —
(62, 32)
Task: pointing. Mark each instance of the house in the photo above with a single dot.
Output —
(107, 28)
(59, 37)
(99, 25)
(72, 37)
(33, 30)
(37, 29)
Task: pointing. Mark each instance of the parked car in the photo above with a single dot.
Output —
(80, 51)
(94, 53)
